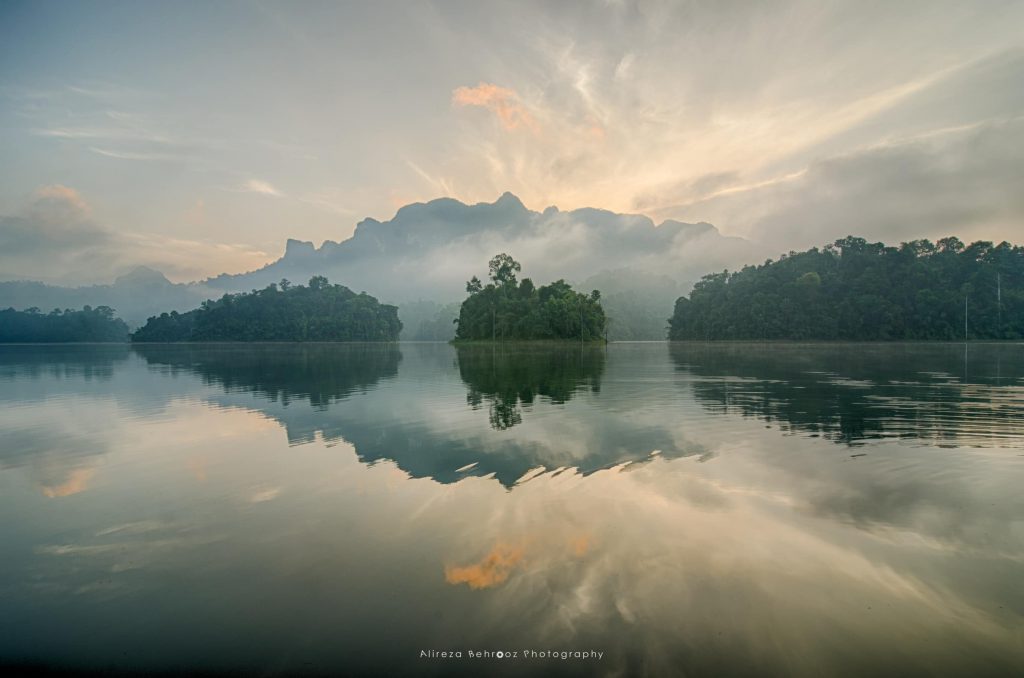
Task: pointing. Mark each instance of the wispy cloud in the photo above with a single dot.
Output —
(328, 201)
(133, 155)
(260, 186)
(501, 101)
(438, 184)
(56, 235)
(107, 133)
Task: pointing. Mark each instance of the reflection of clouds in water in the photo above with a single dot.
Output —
(77, 481)
(261, 495)
(692, 549)
(780, 552)
(493, 569)
(58, 444)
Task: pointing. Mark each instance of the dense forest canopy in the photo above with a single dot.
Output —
(856, 290)
(280, 312)
(89, 324)
(508, 309)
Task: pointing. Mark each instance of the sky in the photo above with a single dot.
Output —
(197, 137)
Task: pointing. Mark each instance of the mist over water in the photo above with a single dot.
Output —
(837, 509)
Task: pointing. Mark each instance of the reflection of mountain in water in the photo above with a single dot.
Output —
(940, 394)
(319, 373)
(510, 379)
(427, 419)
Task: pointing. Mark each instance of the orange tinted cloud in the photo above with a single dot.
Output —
(494, 569)
(502, 101)
(77, 481)
(580, 545)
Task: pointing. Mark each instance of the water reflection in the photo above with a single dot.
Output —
(209, 513)
(429, 421)
(318, 373)
(935, 394)
(61, 361)
(511, 378)
(38, 383)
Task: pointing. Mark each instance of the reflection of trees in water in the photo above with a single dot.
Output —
(59, 446)
(940, 393)
(85, 361)
(319, 373)
(509, 378)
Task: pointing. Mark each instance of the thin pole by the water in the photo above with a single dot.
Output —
(965, 317)
(999, 305)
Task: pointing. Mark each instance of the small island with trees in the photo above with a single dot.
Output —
(854, 290)
(506, 309)
(281, 311)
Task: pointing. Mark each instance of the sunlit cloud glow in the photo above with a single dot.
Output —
(501, 101)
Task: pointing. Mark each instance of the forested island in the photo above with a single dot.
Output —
(856, 290)
(88, 325)
(505, 308)
(281, 311)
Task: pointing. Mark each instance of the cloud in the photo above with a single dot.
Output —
(132, 155)
(328, 200)
(690, 190)
(501, 101)
(55, 238)
(961, 181)
(259, 186)
(59, 202)
(54, 233)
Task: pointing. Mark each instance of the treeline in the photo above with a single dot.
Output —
(856, 290)
(88, 325)
(281, 311)
(505, 309)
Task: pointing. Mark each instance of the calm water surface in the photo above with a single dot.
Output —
(688, 509)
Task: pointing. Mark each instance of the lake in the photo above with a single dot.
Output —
(635, 509)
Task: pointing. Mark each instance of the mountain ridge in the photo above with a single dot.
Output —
(427, 251)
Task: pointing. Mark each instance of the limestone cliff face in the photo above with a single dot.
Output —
(428, 250)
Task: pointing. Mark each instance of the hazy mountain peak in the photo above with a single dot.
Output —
(142, 275)
(298, 247)
(429, 249)
(690, 229)
(509, 199)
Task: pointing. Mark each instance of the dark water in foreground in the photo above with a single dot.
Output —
(684, 510)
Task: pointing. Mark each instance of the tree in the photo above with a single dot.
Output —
(856, 290)
(317, 312)
(98, 324)
(503, 269)
(507, 309)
